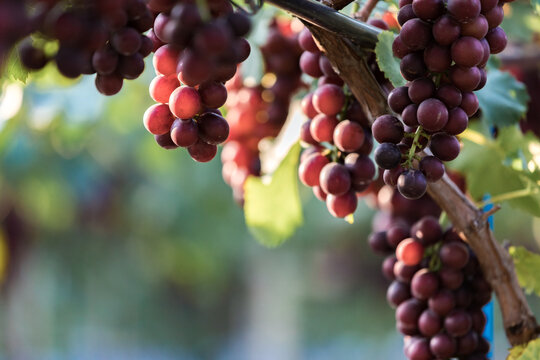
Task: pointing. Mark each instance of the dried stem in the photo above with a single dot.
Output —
(366, 10)
(519, 322)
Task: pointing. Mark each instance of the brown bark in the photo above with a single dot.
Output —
(519, 322)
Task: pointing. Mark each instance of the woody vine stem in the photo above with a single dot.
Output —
(345, 42)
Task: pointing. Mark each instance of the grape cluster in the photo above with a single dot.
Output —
(444, 47)
(103, 37)
(336, 163)
(199, 45)
(259, 111)
(437, 289)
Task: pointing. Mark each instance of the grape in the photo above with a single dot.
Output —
(454, 255)
(406, 329)
(427, 230)
(412, 184)
(185, 102)
(70, 62)
(335, 179)
(450, 278)
(184, 133)
(410, 252)
(409, 311)
(326, 66)
(390, 177)
(442, 346)
(398, 99)
(305, 134)
(479, 320)
(342, 205)
(165, 60)
(109, 84)
(397, 293)
(458, 323)
(424, 284)
(328, 99)
(307, 106)
(361, 168)
(194, 69)
(429, 323)
(416, 34)
(387, 155)
(306, 41)
(213, 94)
(445, 147)
(494, 17)
(105, 61)
(405, 14)
(404, 273)
(437, 58)
(202, 152)
(409, 115)
(319, 193)
(432, 168)
(446, 30)
(428, 9)
(131, 67)
(421, 89)
(465, 79)
(488, 5)
(449, 95)
(467, 51)
(432, 114)
(309, 63)
(322, 127)
(348, 136)
(477, 28)
(126, 41)
(442, 302)
(32, 57)
(497, 40)
(399, 49)
(464, 10)
(310, 169)
(396, 234)
(158, 119)
(162, 87)
(387, 128)
(419, 350)
(165, 141)
(378, 242)
(412, 66)
(213, 128)
(467, 343)
(388, 268)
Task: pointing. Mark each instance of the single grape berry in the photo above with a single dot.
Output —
(387, 129)
(387, 155)
(410, 252)
(412, 184)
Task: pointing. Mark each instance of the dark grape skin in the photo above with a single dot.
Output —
(442, 346)
(446, 30)
(429, 323)
(428, 9)
(424, 284)
(421, 89)
(361, 168)
(387, 128)
(409, 115)
(202, 152)
(465, 79)
(335, 179)
(467, 51)
(184, 133)
(126, 41)
(405, 14)
(454, 255)
(416, 34)
(497, 40)
(464, 10)
(387, 155)
(477, 28)
(390, 177)
(458, 323)
(348, 136)
(449, 95)
(213, 94)
(395, 234)
(409, 311)
(213, 128)
(437, 58)
(467, 343)
(399, 49)
(412, 66)
(388, 267)
(397, 293)
(412, 184)
(427, 230)
(404, 273)
(432, 115)
(442, 302)
(109, 84)
(105, 61)
(342, 205)
(450, 278)
(445, 147)
(378, 243)
(31, 57)
(419, 350)
(432, 168)
(165, 141)
(469, 103)
(398, 99)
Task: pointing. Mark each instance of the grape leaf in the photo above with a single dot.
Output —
(13, 68)
(536, 5)
(527, 269)
(522, 21)
(503, 100)
(388, 63)
(530, 351)
(511, 163)
(273, 211)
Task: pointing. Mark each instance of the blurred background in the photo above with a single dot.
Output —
(113, 248)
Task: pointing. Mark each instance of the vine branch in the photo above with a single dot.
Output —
(519, 322)
(337, 4)
(366, 10)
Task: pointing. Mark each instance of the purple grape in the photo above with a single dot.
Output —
(387, 155)
(387, 128)
(432, 115)
(412, 184)
(445, 147)
(432, 168)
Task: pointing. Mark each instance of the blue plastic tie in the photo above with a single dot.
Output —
(488, 308)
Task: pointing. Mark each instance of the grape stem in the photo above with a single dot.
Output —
(415, 144)
(529, 190)
(339, 36)
(366, 10)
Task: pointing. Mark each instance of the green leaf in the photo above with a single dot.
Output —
(521, 21)
(273, 211)
(531, 351)
(388, 63)
(14, 69)
(536, 5)
(503, 100)
(527, 269)
(502, 167)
